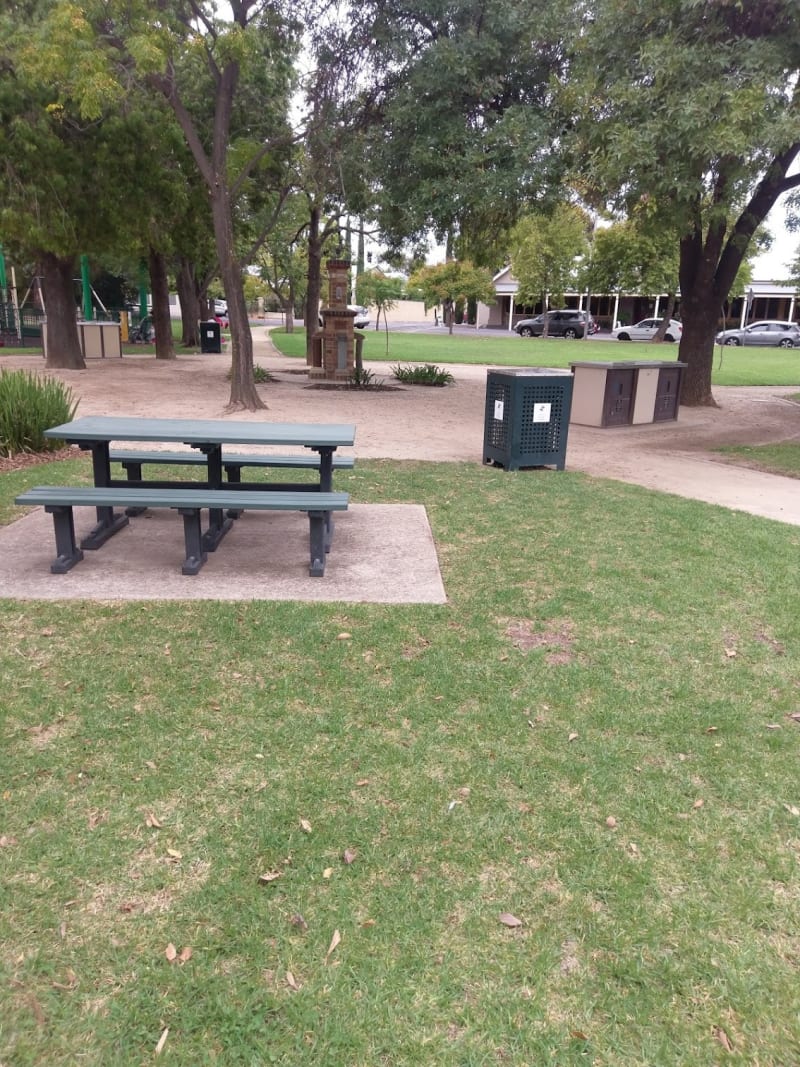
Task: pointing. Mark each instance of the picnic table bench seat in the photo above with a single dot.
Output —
(132, 460)
(60, 500)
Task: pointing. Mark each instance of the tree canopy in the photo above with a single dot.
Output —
(450, 283)
(692, 109)
(545, 253)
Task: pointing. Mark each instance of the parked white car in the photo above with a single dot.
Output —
(647, 329)
(361, 320)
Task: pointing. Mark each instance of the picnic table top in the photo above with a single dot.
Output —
(205, 431)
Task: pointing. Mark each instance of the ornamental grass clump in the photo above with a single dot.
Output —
(28, 406)
(428, 374)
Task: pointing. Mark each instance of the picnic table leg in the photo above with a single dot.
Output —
(326, 486)
(134, 473)
(193, 541)
(108, 522)
(233, 472)
(317, 535)
(218, 522)
(68, 553)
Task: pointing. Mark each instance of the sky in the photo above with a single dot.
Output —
(774, 265)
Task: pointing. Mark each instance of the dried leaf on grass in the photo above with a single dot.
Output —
(152, 821)
(349, 855)
(174, 956)
(71, 982)
(335, 942)
(305, 826)
(509, 920)
(268, 877)
(723, 1038)
(162, 1041)
(291, 981)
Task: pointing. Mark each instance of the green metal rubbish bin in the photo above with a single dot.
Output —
(210, 337)
(527, 417)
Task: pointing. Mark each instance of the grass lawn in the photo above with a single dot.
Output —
(782, 458)
(556, 820)
(732, 366)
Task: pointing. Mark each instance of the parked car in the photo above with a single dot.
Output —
(565, 323)
(361, 321)
(220, 307)
(222, 319)
(647, 329)
(768, 332)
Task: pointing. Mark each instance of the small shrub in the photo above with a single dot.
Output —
(361, 379)
(260, 375)
(428, 374)
(29, 405)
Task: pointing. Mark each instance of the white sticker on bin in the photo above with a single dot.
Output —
(541, 412)
(498, 410)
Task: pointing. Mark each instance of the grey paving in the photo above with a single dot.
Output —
(382, 554)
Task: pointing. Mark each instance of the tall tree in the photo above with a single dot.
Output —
(693, 108)
(546, 252)
(451, 283)
(63, 176)
(177, 48)
(466, 127)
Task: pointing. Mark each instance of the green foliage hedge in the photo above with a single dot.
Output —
(429, 374)
(28, 406)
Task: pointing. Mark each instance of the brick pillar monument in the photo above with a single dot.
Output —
(336, 360)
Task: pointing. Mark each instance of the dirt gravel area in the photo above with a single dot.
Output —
(446, 424)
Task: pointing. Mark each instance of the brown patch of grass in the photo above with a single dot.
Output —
(557, 639)
(43, 735)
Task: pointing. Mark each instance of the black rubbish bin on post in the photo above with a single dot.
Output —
(210, 337)
(527, 417)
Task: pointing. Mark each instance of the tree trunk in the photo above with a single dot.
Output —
(63, 343)
(314, 280)
(159, 287)
(708, 267)
(288, 313)
(187, 287)
(700, 306)
(669, 311)
(243, 386)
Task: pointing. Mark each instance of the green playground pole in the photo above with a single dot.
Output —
(87, 289)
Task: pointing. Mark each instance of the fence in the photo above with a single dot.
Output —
(21, 328)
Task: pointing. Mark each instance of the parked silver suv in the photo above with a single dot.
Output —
(565, 323)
